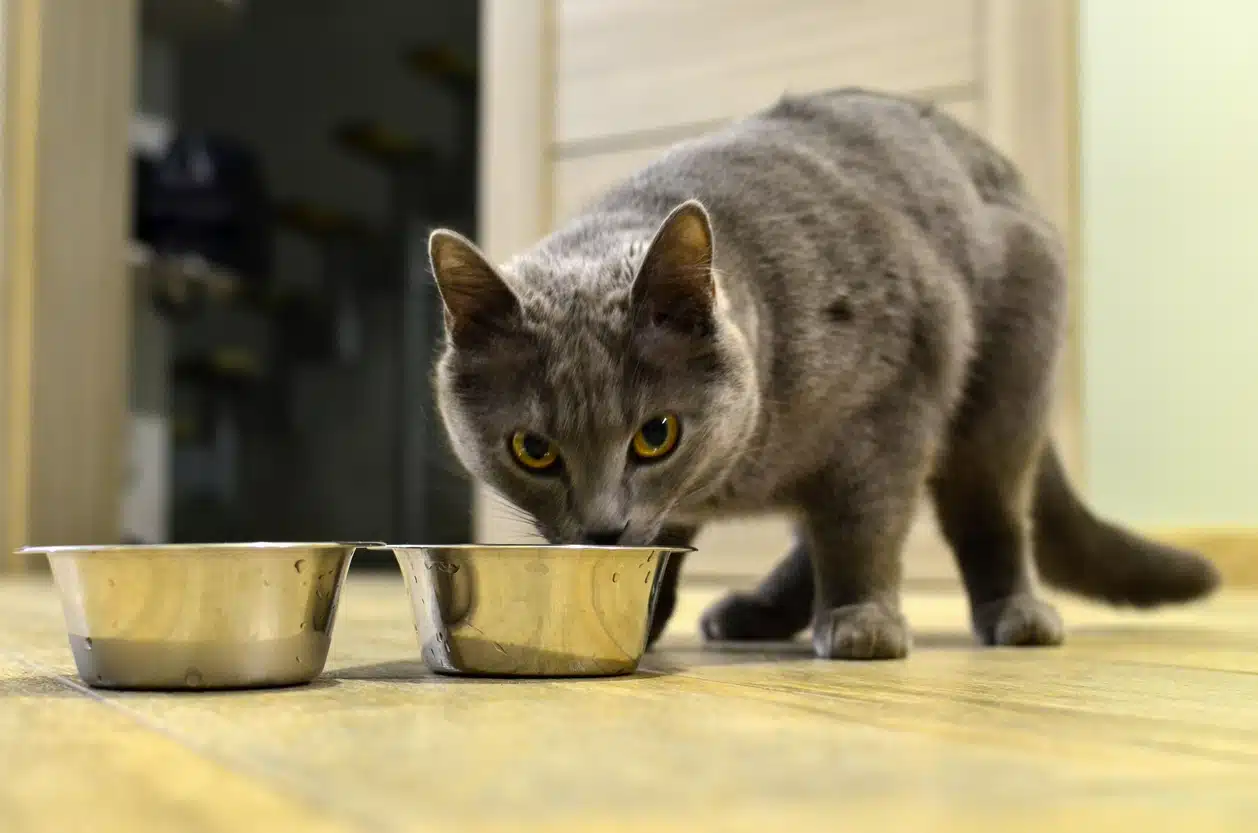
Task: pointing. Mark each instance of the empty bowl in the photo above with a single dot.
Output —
(199, 616)
(538, 611)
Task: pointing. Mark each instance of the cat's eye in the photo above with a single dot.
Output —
(657, 438)
(533, 451)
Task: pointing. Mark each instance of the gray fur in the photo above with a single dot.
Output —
(850, 303)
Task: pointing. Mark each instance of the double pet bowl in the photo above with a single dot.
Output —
(220, 616)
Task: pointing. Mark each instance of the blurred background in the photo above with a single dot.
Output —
(216, 322)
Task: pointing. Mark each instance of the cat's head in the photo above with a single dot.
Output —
(597, 382)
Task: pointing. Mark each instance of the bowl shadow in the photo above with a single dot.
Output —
(70, 685)
(679, 654)
(414, 671)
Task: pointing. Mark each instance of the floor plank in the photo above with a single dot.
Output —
(71, 762)
(1140, 720)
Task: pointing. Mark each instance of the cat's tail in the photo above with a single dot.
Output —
(1080, 553)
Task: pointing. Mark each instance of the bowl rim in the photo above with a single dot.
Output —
(532, 547)
(176, 549)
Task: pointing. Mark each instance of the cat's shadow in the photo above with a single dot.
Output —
(676, 655)
(672, 656)
(414, 671)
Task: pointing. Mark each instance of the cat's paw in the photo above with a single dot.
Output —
(1021, 620)
(861, 631)
(743, 617)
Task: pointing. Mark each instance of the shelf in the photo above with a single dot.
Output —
(189, 18)
(185, 281)
(178, 279)
(443, 65)
(380, 144)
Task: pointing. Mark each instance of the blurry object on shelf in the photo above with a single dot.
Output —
(227, 367)
(226, 348)
(381, 145)
(205, 196)
(150, 135)
(190, 18)
(445, 66)
(317, 221)
(182, 282)
(213, 389)
(347, 248)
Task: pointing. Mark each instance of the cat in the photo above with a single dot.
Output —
(834, 308)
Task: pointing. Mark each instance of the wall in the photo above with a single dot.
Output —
(1170, 208)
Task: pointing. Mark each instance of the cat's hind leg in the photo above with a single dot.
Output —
(980, 499)
(777, 609)
(982, 483)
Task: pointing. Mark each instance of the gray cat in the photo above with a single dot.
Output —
(830, 308)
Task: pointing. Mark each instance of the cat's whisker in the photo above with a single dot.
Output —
(504, 509)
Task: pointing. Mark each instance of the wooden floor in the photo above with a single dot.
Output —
(1140, 723)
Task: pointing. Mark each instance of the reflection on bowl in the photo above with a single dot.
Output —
(199, 616)
(547, 611)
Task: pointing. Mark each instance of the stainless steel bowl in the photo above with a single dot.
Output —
(542, 611)
(199, 616)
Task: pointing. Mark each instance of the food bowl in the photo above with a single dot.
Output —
(199, 616)
(532, 611)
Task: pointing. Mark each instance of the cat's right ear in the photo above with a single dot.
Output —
(479, 305)
(675, 289)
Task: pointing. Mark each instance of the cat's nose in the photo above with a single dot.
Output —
(604, 537)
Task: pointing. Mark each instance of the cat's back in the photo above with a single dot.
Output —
(884, 136)
(847, 138)
(811, 164)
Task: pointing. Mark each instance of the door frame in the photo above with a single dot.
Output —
(517, 111)
(65, 111)
(1029, 74)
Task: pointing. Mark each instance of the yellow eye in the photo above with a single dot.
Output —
(657, 437)
(533, 451)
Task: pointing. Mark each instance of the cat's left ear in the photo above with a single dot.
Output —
(479, 305)
(675, 288)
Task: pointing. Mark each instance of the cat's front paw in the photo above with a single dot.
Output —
(1021, 620)
(745, 617)
(861, 631)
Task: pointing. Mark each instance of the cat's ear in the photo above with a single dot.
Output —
(675, 288)
(478, 303)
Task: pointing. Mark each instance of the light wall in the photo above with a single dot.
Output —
(1169, 151)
